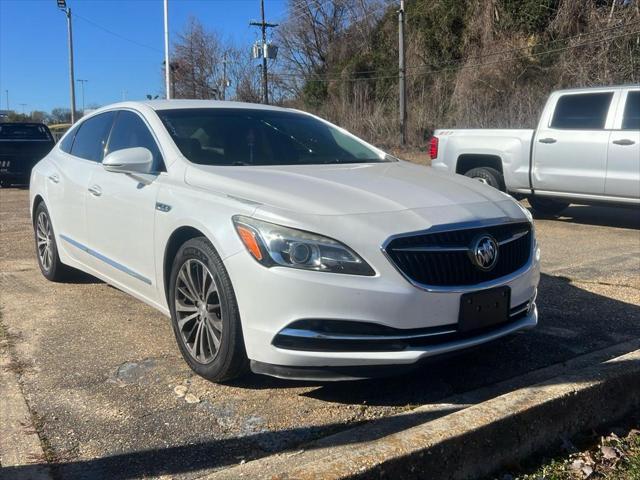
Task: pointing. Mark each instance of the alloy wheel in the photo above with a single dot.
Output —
(198, 311)
(45, 240)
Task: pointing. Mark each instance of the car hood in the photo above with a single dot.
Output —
(342, 189)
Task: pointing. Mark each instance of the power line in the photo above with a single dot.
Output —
(487, 55)
(115, 34)
(302, 6)
(321, 78)
(563, 39)
(367, 14)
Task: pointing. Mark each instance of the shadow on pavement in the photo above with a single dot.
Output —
(80, 277)
(617, 217)
(572, 322)
(200, 456)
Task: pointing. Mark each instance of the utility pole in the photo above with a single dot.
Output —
(82, 82)
(224, 76)
(62, 5)
(167, 65)
(264, 25)
(6, 92)
(23, 105)
(402, 78)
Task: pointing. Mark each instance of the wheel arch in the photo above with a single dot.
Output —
(37, 200)
(177, 238)
(469, 161)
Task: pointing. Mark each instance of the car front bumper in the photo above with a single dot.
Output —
(270, 300)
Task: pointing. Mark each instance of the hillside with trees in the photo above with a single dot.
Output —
(470, 63)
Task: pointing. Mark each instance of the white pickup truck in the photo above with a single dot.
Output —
(585, 150)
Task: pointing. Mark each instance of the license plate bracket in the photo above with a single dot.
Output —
(484, 308)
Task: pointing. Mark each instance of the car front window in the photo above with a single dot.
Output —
(234, 136)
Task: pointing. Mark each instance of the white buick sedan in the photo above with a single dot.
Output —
(279, 242)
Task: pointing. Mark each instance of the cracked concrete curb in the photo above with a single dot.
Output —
(19, 442)
(468, 443)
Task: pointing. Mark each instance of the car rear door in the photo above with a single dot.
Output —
(623, 162)
(571, 143)
(121, 210)
(77, 159)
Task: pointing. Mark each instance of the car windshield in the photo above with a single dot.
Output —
(234, 136)
(24, 132)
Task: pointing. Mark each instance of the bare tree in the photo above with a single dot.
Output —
(243, 76)
(199, 70)
(197, 61)
(317, 34)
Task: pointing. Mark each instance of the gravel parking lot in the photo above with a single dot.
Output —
(112, 398)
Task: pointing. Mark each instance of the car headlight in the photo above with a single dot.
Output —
(275, 245)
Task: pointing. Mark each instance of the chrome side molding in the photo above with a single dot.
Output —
(106, 260)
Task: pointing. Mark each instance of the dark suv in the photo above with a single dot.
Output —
(22, 145)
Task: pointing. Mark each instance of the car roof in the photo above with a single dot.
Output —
(184, 103)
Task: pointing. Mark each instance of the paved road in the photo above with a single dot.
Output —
(100, 369)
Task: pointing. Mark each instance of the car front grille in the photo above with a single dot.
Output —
(441, 258)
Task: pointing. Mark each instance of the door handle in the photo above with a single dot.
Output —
(54, 178)
(624, 141)
(547, 140)
(96, 191)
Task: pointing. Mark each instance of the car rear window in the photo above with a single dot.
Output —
(631, 116)
(582, 111)
(24, 132)
(239, 136)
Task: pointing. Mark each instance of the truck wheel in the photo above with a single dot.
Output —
(547, 206)
(487, 175)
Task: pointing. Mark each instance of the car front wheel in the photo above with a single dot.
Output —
(204, 313)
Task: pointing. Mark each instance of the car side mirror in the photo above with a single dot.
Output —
(129, 160)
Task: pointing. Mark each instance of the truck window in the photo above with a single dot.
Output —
(631, 116)
(586, 111)
(24, 131)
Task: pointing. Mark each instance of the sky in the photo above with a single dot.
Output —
(118, 46)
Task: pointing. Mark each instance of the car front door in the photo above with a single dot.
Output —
(623, 163)
(77, 159)
(570, 146)
(121, 210)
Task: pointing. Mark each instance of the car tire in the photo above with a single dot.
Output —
(47, 248)
(487, 175)
(548, 207)
(203, 306)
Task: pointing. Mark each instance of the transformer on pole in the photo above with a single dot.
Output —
(264, 51)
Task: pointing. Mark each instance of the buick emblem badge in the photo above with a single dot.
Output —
(484, 252)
